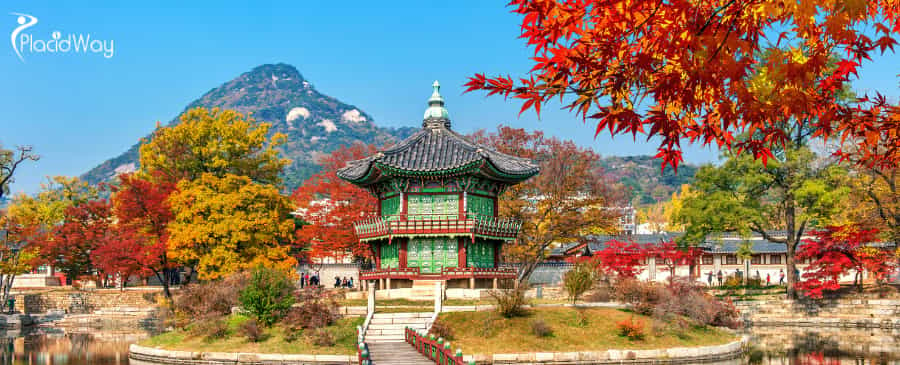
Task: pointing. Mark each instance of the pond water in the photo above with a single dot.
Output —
(771, 346)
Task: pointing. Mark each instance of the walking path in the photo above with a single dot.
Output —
(386, 338)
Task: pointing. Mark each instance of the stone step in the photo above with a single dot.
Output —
(397, 353)
(395, 333)
(385, 338)
(403, 315)
(397, 326)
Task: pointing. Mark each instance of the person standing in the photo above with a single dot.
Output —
(719, 276)
(302, 281)
(780, 276)
(768, 279)
(709, 277)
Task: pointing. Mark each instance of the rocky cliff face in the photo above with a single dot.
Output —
(315, 123)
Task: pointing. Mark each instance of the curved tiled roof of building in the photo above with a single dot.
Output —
(436, 149)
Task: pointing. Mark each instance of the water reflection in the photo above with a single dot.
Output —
(823, 346)
(56, 347)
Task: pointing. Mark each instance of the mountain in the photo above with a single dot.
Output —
(314, 123)
(642, 175)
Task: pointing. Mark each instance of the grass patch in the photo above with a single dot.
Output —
(594, 330)
(344, 332)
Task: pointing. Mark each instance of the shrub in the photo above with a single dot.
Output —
(578, 280)
(209, 328)
(251, 330)
(322, 338)
(509, 302)
(316, 310)
(632, 330)
(680, 299)
(599, 295)
(440, 329)
(643, 296)
(540, 329)
(209, 299)
(733, 281)
(268, 296)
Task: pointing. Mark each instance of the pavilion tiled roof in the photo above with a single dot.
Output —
(437, 149)
(433, 150)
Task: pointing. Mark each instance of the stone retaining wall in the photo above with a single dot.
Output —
(140, 355)
(846, 313)
(86, 301)
(720, 354)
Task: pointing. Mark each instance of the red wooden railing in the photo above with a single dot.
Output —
(434, 349)
(395, 273)
(478, 272)
(437, 223)
(412, 273)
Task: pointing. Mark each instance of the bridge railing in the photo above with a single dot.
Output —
(436, 350)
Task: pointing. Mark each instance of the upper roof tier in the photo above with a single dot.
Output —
(436, 150)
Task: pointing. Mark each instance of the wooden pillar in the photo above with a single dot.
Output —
(495, 283)
(388, 286)
(472, 282)
(403, 248)
(497, 247)
(461, 248)
(378, 255)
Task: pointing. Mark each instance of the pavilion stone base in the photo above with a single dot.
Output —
(424, 289)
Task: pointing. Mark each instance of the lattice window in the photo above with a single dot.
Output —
(437, 206)
(390, 206)
(390, 256)
(479, 205)
(480, 254)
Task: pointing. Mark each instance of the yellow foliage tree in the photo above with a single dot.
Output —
(228, 224)
(216, 142)
(48, 207)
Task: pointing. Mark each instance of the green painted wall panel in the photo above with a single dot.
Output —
(480, 205)
(480, 254)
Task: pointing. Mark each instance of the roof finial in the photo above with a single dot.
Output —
(436, 115)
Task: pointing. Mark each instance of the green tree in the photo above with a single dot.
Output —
(792, 192)
(578, 280)
(216, 142)
(268, 296)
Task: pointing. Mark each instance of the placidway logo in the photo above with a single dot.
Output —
(83, 43)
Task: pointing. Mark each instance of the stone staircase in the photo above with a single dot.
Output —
(386, 338)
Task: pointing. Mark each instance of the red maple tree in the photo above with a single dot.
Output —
(143, 212)
(708, 71)
(329, 206)
(837, 251)
(671, 256)
(70, 245)
(125, 252)
(620, 258)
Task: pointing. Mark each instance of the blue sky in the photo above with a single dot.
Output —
(79, 110)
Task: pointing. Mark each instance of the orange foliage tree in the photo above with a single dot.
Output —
(566, 201)
(329, 205)
(708, 71)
